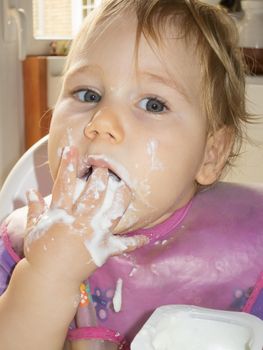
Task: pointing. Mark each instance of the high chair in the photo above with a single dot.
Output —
(31, 171)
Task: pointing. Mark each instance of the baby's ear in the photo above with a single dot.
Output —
(218, 148)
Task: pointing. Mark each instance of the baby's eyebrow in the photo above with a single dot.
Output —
(172, 83)
(82, 69)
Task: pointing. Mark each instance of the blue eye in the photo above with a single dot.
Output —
(87, 95)
(153, 105)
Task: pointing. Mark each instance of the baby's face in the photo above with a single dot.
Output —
(143, 122)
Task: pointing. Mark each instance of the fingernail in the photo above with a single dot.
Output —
(100, 172)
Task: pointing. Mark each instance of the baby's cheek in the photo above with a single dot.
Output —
(61, 135)
(54, 157)
(144, 188)
(138, 215)
(144, 207)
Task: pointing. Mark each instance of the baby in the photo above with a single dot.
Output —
(150, 113)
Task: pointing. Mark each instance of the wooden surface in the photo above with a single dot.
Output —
(37, 115)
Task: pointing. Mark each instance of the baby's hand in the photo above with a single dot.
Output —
(74, 235)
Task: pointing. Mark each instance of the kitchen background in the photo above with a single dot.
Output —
(34, 39)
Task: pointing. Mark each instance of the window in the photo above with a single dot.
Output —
(60, 19)
(87, 6)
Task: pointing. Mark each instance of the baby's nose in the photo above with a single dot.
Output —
(106, 125)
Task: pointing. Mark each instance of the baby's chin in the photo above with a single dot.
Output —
(132, 220)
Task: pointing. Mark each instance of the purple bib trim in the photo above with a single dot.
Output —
(99, 333)
(8, 259)
(254, 304)
(8, 245)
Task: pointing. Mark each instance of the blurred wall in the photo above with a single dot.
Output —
(11, 105)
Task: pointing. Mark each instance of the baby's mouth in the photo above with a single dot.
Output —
(87, 167)
(114, 176)
(88, 164)
(85, 174)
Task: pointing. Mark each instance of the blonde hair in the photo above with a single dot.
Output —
(216, 38)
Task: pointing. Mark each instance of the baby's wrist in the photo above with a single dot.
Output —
(31, 294)
(44, 278)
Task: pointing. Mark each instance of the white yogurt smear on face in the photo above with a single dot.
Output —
(144, 191)
(117, 298)
(152, 146)
(70, 138)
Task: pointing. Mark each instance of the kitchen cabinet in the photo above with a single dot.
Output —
(36, 110)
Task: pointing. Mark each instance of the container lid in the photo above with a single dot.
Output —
(193, 328)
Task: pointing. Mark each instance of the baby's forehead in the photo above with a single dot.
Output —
(165, 37)
(172, 51)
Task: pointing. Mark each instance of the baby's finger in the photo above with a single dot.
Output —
(119, 245)
(101, 249)
(36, 207)
(64, 186)
(104, 208)
(131, 243)
(92, 195)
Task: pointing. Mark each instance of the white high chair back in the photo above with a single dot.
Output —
(31, 171)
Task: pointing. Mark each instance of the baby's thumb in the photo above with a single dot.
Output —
(36, 207)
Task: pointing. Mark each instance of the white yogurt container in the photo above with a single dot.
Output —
(181, 327)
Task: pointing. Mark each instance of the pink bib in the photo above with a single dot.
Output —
(208, 254)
